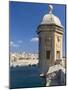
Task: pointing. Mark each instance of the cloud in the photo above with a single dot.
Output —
(35, 39)
(20, 41)
(12, 44)
(15, 45)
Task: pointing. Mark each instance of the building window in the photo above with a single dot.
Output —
(47, 54)
(58, 55)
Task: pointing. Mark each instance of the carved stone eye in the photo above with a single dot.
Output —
(58, 39)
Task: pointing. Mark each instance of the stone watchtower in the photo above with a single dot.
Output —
(50, 33)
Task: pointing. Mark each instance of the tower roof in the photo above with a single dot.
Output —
(50, 18)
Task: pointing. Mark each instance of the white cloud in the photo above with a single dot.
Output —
(15, 45)
(12, 44)
(20, 41)
(35, 39)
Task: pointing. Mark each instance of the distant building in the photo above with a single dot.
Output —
(23, 59)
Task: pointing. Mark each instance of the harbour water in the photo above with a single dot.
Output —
(25, 77)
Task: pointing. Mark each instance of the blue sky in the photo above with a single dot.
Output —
(24, 19)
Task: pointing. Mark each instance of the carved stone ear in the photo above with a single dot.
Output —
(47, 39)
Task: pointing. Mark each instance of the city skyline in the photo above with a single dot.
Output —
(24, 19)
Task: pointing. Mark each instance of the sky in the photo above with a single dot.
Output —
(24, 19)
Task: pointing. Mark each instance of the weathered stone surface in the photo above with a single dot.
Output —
(50, 33)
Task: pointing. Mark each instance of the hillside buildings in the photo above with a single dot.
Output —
(23, 59)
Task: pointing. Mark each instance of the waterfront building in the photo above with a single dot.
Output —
(23, 59)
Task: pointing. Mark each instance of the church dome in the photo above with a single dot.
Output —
(51, 18)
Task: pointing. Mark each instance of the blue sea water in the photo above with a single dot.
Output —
(25, 77)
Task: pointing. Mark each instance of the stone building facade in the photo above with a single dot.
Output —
(50, 33)
(23, 59)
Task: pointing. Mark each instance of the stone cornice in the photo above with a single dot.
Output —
(49, 28)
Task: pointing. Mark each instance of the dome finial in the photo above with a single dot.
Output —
(50, 8)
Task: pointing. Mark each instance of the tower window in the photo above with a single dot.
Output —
(47, 54)
(58, 55)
